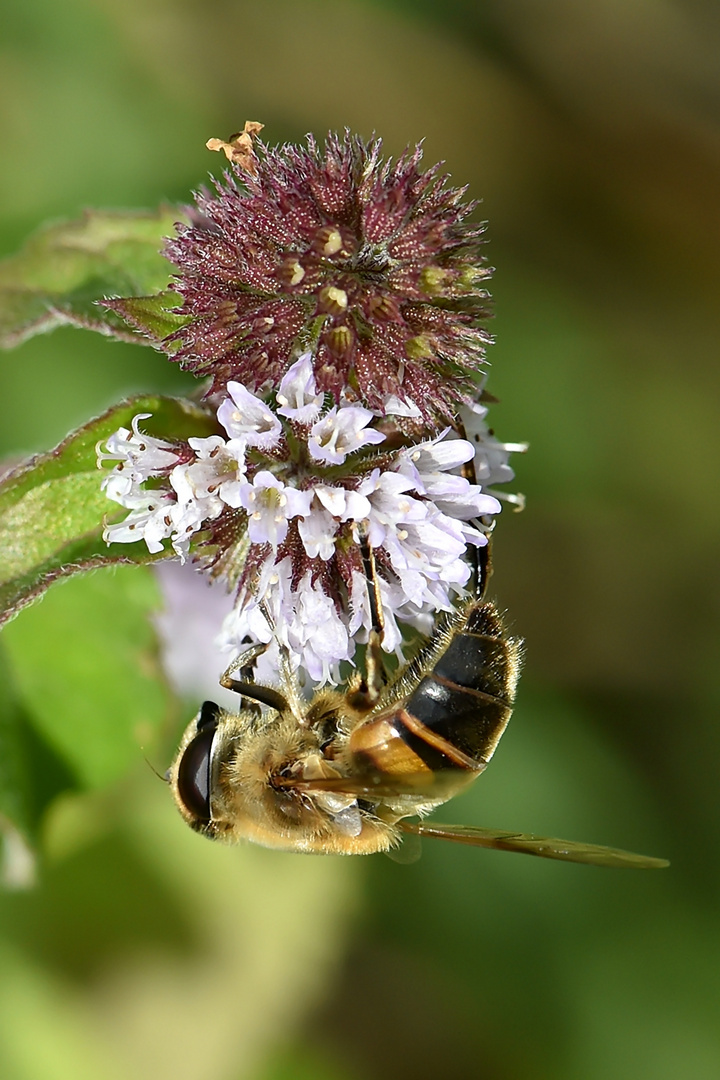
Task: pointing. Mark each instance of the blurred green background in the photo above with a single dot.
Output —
(592, 134)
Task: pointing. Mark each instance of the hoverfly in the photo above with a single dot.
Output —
(343, 772)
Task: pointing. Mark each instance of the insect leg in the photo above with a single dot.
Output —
(265, 695)
(375, 675)
(288, 679)
(245, 661)
(478, 557)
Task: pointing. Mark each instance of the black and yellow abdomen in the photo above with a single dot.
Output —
(456, 706)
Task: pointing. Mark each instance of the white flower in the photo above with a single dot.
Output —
(491, 455)
(340, 432)
(316, 632)
(344, 504)
(426, 547)
(428, 465)
(150, 520)
(305, 620)
(392, 598)
(491, 460)
(216, 475)
(270, 505)
(247, 620)
(390, 505)
(146, 453)
(296, 396)
(139, 457)
(187, 519)
(330, 506)
(317, 532)
(245, 416)
(435, 456)
(395, 406)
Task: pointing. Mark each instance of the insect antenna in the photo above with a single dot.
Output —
(165, 779)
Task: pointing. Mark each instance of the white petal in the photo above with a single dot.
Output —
(118, 485)
(394, 406)
(357, 507)
(297, 502)
(297, 396)
(340, 432)
(334, 499)
(150, 521)
(438, 455)
(243, 415)
(317, 532)
(204, 448)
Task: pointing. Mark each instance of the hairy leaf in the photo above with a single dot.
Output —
(65, 268)
(52, 508)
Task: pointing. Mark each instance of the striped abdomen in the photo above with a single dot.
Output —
(452, 719)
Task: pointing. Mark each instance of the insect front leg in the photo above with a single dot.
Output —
(264, 695)
(244, 662)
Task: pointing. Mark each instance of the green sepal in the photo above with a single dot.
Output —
(153, 316)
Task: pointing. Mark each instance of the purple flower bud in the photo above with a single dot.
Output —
(369, 268)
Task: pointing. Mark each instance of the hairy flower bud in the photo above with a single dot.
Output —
(370, 266)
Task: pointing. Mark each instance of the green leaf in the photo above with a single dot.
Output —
(66, 267)
(85, 671)
(52, 508)
(152, 316)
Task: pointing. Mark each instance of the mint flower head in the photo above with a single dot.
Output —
(333, 303)
(275, 504)
(369, 265)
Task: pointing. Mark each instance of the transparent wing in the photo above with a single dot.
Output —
(546, 847)
(442, 784)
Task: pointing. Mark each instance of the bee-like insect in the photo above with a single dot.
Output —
(343, 772)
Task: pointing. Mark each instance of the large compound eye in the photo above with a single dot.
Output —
(193, 777)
